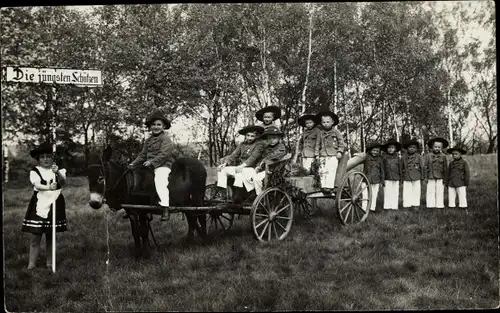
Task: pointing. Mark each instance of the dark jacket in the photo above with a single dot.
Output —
(374, 169)
(307, 143)
(392, 166)
(412, 167)
(329, 142)
(273, 154)
(458, 173)
(246, 153)
(158, 150)
(436, 166)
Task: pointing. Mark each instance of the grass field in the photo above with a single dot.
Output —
(440, 259)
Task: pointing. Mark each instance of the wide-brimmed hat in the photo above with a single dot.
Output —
(272, 130)
(457, 148)
(328, 113)
(389, 142)
(439, 139)
(411, 142)
(44, 148)
(157, 115)
(373, 145)
(272, 108)
(302, 120)
(251, 128)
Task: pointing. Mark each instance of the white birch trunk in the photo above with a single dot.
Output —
(303, 98)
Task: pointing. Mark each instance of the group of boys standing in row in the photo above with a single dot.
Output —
(323, 143)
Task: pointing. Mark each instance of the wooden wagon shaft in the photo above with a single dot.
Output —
(229, 208)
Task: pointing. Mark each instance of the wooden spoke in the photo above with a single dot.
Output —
(342, 210)
(221, 224)
(359, 193)
(281, 201)
(283, 217)
(275, 231)
(262, 222)
(280, 225)
(348, 211)
(356, 212)
(282, 209)
(227, 218)
(261, 205)
(263, 232)
(269, 232)
(261, 215)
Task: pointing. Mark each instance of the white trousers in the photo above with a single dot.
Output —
(240, 179)
(411, 193)
(375, 188)
(391, 194)
(258, 181)
(161, 185)
(328, 170)
(306, 163)
(462, 196)
(435, 194)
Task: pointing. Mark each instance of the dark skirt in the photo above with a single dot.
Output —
(35, 224)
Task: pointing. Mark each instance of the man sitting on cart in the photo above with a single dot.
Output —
(246, 156)
(274, 151)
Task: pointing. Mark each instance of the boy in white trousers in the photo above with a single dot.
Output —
(157, 153)
(246, 156)
(458, 178)
(307, 143)
(412, 173)
(436, 172)
(392, 172)
(329, 149)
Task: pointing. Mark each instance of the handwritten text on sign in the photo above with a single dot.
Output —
(88, 78)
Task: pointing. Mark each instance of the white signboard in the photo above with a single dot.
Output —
(86, 78)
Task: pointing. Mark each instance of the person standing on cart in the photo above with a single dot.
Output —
(329, 149)
(246, 156)
(307, 143)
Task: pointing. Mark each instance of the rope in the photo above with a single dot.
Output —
(107, 261)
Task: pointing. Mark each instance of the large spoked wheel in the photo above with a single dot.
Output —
(272, 215)
(354, 198)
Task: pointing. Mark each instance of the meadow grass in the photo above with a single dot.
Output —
(406, 259)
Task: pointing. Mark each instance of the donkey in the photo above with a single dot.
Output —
(110, 182)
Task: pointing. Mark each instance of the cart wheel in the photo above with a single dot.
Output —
(354, 199)
(219, 222)
(272, 215)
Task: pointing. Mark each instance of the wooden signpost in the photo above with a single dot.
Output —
(52, 77)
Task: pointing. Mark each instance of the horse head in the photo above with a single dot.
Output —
(106, 181)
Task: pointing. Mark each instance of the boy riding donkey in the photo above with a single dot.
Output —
(157, 154)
